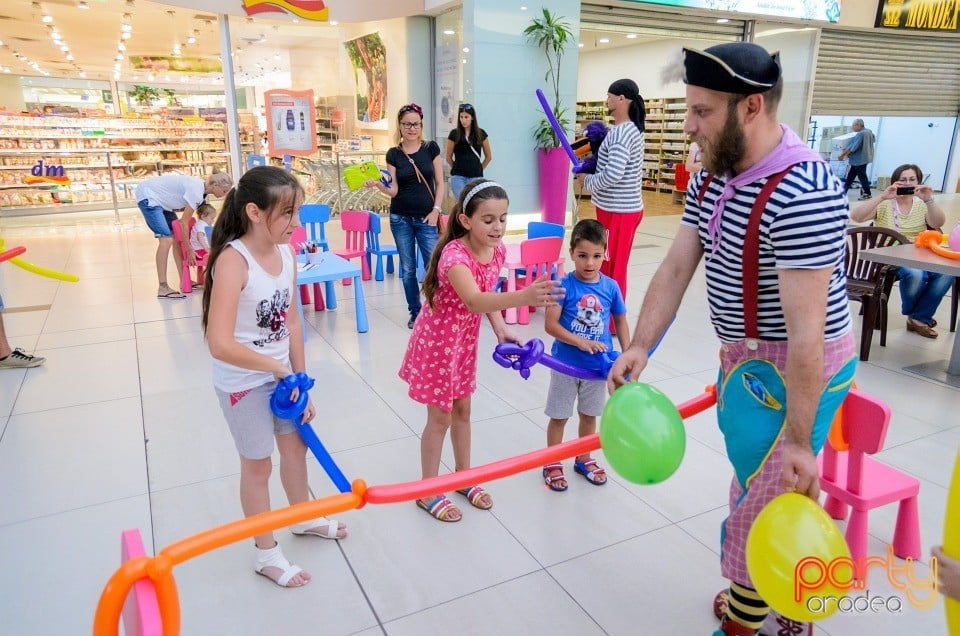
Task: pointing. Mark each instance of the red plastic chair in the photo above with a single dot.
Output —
(537, 257)
(853, 480)
(355, 225)
(296, 242)
(186, 283)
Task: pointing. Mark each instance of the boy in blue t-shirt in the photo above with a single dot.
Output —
(580, 325)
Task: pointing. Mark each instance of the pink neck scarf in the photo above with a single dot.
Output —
(790, 151)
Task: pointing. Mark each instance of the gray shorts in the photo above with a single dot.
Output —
(590, 395)
(251, 421)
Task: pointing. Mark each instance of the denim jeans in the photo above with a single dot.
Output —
(457, 184)
(854, 172)
(921, 292)
(410, 233)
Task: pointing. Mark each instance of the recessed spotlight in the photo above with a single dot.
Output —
(191, 39)
(579, 45)
(47, 18)
(466, 49)
(82, 74)
(121, 47)
(64, 48)
(631, 36)
(82, 4)
(69, 57)
(722, 20)
(119, 56)
(523, 8)
(334, 23)
(449, 32)
(126, 28)
(604, 40)
(125, 35)
(55, 36)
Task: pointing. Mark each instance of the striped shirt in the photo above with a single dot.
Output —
(616, 184)
(803, 227)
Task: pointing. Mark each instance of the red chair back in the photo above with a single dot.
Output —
(355, 225)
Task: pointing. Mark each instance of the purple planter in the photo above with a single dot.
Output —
(554, 165)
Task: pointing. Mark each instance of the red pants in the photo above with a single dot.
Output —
(621, 227)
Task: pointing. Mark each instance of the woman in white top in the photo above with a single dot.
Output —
(908, 207)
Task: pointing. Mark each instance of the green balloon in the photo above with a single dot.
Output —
(642, 434)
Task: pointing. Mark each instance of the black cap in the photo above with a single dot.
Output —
(625, 87)
(742, 68)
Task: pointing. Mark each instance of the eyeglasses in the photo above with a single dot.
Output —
(464, 107)
(411, 125)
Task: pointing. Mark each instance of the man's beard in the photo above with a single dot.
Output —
(731, 144)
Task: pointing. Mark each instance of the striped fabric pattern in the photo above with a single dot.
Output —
(803, 227)
(616, 184)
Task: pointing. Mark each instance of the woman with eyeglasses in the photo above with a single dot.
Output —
(908, 206)
(465, 143)
(416, 192)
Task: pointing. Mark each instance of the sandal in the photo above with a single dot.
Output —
(475, 495)
(591, 471)
(921, 328)
(321, 527)
(170, 293)
(551, 480)
(440, 508)
(273, 558)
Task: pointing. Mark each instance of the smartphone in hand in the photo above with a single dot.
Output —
(906, 189)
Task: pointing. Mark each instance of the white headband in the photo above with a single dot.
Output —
(478, 188)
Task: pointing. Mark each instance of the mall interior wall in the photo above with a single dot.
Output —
(11, 93)
(504, 70)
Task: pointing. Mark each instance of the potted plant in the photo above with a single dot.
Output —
(552, 34)
(145, 95)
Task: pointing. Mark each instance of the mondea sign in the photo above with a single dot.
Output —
(827, 10)
(919, 15)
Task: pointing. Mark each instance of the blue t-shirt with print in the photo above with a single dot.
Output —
(585, 311)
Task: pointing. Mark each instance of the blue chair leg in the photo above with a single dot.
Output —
(389, 264)
(379, 272)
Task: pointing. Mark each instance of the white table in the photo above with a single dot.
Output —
(945, 371)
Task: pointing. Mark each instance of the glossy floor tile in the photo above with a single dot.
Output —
(121, 429)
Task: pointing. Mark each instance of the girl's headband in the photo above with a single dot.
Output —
(477, 188)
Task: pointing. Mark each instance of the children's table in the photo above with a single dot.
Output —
(329, 268)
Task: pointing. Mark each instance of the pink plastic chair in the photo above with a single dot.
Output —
(537, 257)
(355, 224)
(296, 242)
(186, 283)
(851, 479)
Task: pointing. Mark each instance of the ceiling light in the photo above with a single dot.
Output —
(125, 35)
(126, 28)
(523, 8)
(55, 36)
(579, 45)
(69, 57)
(449, 32)
(64, 48)
(631, 36)
(121, 47)
(47, 18)
(83, 5)
(466, 49)
(296, 21)
(722, 20)
(334, 23)
(191, 39)
(82, 74)
(604, 40)
(119, 56)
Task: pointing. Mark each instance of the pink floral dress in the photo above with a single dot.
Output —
(440, 364)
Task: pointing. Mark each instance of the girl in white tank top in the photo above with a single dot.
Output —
(256, 338)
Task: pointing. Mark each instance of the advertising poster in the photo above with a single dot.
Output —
(448, 82)
(369, 58)
(291, 123)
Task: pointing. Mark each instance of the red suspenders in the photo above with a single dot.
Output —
(751, 249)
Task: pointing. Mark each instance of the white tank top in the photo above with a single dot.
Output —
(261, 321)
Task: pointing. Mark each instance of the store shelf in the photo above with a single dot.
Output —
(92, 161)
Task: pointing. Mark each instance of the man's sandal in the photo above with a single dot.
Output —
(440, 508)
(273, 558)
(475, 495)
(591, 471)
(551, 480)
(320, 527)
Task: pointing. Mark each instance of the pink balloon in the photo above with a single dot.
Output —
(954, 240)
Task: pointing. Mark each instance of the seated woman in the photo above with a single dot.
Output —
(907, 206)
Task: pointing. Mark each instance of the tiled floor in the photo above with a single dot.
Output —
(121, 429)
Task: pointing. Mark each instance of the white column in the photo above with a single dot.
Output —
(230, 92)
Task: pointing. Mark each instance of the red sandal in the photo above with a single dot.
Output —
(551, 480)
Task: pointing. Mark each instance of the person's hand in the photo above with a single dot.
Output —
(843, 155)
(948, 570)
(579, 179)
(591, 346)
(371, 183)
(800, 472)
(890, 192)
(631, 363)
(281, 372)
(508, 336)
(433, 217)
(191, 257)
(543, 292)
(310, 412)
(925, 192)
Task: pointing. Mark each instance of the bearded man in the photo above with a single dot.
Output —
(770, 216)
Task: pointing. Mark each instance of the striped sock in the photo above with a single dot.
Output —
(746, 607)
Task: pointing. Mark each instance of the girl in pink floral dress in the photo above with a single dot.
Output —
(440, 364)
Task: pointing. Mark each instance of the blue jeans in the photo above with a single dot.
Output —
(457, 184)
(410, 233)
(921, 292)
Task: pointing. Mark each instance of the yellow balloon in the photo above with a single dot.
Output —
(43, 271)
(797, 558)
(951, 544)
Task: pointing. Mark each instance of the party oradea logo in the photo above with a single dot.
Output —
(306, 9)
(41, 173)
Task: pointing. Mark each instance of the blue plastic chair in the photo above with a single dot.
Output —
(541, 229)
(378, 249)
(313, 217)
